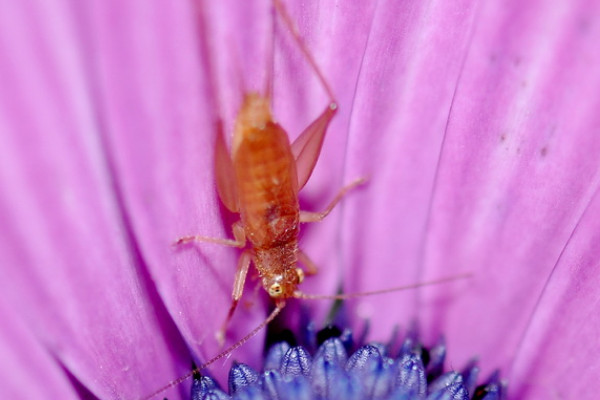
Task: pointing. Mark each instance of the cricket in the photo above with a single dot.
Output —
(260, 178)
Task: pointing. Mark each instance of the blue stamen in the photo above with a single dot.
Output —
(371, 372)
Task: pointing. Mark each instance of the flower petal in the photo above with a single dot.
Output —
(407, 84)
(21, 351)
(517, 171)
(71, 262)
(518, 164)
(561, 344)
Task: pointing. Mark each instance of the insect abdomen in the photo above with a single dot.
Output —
(267, 185)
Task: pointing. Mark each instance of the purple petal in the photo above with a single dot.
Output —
(557, 352)
(518, 164)
(73, 266)
(526, 163)
(21, 351)
(401, 108)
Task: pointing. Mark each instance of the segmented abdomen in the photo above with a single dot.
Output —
(267, 186)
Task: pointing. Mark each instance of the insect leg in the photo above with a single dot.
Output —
(308, 216)
(238, 233)
(238, 290)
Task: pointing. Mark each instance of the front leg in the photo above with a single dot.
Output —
(308, 216)
(238, 290)
(238, 234)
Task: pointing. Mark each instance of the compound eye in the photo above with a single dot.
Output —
(275, 290)
(300, 274)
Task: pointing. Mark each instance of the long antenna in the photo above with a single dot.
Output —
(279, 306)
(345, 296)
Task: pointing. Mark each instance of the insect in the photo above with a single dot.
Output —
(260, 179)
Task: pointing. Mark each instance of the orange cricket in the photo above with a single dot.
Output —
(260, 179)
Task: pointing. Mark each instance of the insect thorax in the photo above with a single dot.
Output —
(277, 267)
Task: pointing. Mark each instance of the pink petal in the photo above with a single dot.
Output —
(21, 351)
(72, 265)
(557, 352)
(518, 164)
(526, 163)
(401, 108)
